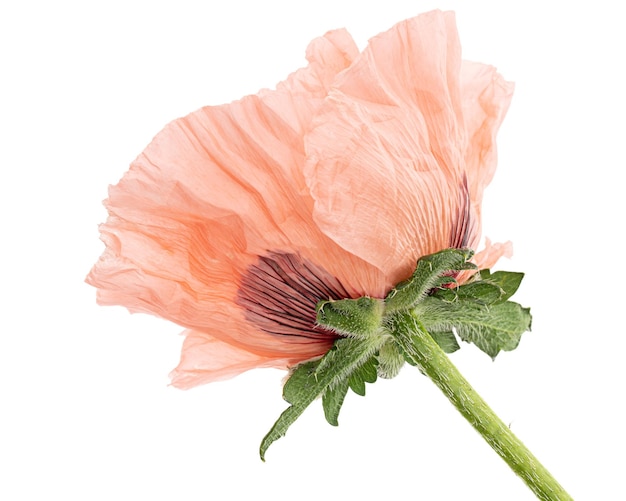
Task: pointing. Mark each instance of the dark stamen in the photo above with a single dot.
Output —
(280, 292)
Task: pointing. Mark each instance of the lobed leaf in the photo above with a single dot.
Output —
(508, 281)
(302, 378)
(480, 291)
(367, 373)
(445, 339)
(332, 400)
(334, 396)
(313, 379)
(492, 328)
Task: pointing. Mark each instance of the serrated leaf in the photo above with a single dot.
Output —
(313, 379)
(302, 377)
(365, 374)
(332, 400)
(334, 396)
(482, 292)
(508, 281)
(446, 340)
(357, 386)
(491, 328)
(429, 273)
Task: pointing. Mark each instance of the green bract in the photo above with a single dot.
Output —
(376, 334)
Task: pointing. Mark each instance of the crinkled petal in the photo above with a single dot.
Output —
(206, 359)
(404, 146)
(234, 222)
(386, 164)
(212, 192)
(489, 256)
(486, 97)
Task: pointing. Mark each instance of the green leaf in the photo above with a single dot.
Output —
(332, 400)
(429, 273)
(312, 379)
(333, 396)
(508, 281)
(480, 291)
(302, 377)
(485, 288)
(367, 373)
(446, 340)
(491, 328)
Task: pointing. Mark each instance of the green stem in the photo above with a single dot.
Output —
(420, 349)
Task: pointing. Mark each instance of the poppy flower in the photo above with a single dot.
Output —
(238, 219)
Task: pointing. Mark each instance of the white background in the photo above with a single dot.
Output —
(85, 408)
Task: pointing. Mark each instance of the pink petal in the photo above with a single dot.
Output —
(487, 257)
(205, 359)
(212, 192)
(486, 97)
(389, 132)
(387, 158)
(234, 222)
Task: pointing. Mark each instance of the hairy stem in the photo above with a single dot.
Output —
(420, 349)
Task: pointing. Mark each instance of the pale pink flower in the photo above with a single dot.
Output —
(237, 219)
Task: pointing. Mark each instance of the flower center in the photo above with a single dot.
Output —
(280, 292)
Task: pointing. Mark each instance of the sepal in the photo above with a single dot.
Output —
(432, 271)
(358, 318)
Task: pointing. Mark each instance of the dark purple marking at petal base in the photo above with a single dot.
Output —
(463, 226)
(279, 294)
